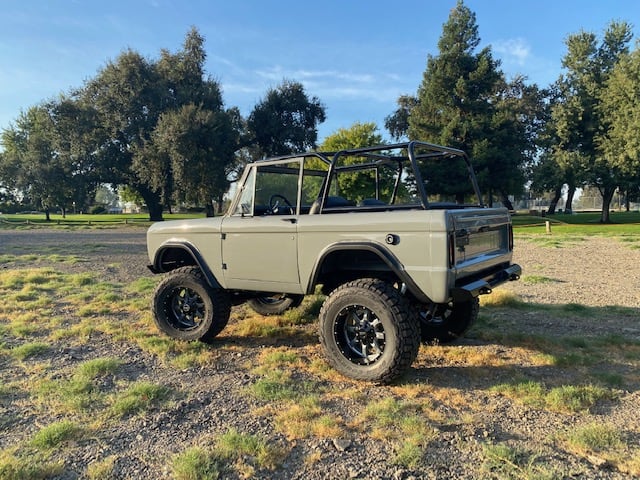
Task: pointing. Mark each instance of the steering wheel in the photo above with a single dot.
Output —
(274, 203)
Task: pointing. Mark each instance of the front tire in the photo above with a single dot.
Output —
(274, 304)
(368, 331)
(446, 322)
(185, 307)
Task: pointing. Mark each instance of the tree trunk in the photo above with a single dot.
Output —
(568, 208)
(210, 210)
(153, 201)
(47, 217)
(627, 201)
(557, 193)
(64, 212)
(607, 196)
(506, 202)
(155, 212)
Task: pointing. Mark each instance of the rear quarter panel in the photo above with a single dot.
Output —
(421, 246)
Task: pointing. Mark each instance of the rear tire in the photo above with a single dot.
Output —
(446, 322)
(368, 331)
(274, 304)
(185, 307)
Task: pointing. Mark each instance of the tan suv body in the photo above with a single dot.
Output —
(370, 226)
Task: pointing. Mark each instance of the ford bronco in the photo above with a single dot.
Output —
(401, 253)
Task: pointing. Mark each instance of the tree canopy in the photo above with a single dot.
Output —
(465, 102)
(158, 129)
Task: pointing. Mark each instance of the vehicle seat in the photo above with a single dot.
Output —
(331, 202)
(368, 202)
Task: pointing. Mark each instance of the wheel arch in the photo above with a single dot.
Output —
(351, 260)
(175, 254)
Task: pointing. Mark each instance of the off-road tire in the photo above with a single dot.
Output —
(444, 323)
(185, 307)
(368, 331)
(275, 304)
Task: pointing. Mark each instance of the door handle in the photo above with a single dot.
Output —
(290, 220)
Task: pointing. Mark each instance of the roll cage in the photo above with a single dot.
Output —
(394, 176)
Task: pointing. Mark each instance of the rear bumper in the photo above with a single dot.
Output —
(471, 288)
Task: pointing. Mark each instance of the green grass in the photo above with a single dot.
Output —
(236, 445)
(139, 397)
(35, 467)
(296, 390)
(197, 464)
(79, 393)
(594, 437)
(29, 350)
(82, 220)
(233, 450)
(537, 279)
(582, 218)
(403, 423)
(502, 461)
(279, 385)
(98, 367)
(607, 443)
(562, 399)
(101, 469)
(305, 417)
(55, 434)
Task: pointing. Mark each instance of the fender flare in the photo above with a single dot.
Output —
(387, 257)
(193, 251)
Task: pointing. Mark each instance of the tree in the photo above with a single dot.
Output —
(127, 97)
(620, 107)
(511, 142)
(578, 119)
(200, 145)
(359, 135)
(147, 138)
(31, 164)
(465, 102)
(76, 146)
(193, 145)
(397, 124)
(285, 121)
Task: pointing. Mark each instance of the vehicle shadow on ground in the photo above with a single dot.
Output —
(299, 338)
(610, 361)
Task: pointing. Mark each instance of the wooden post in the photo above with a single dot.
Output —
(548, 226)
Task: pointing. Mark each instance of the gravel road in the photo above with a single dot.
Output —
(453, 384)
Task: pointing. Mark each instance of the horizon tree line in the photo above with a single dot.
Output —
(158, 129)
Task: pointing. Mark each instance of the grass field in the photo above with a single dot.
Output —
(90, 389)
(578, 221)
(83, 220)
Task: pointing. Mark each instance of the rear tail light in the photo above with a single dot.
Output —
(452, 249)
(510, 237)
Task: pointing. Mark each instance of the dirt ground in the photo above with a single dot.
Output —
(583, 289)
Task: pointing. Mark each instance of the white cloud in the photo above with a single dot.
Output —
(516, 50)
(337, 84)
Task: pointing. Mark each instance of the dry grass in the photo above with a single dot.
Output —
(452, 393)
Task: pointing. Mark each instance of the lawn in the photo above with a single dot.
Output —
(20, 220)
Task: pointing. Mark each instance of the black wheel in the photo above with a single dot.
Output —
(275, 304)
(185, 307)
(445, 322)
(368, 330)
(274, 203)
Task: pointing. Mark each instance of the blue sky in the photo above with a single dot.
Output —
(356, 56)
